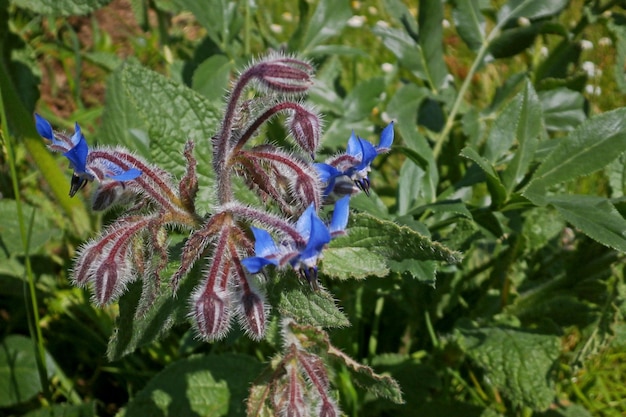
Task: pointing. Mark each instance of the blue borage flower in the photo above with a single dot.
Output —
(75, 149)
(354, 164)
(303, 257)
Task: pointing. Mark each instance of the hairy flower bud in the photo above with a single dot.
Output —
(304, 124)
(283, 74)
(211, 312)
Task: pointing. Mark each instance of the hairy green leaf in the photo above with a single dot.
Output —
(61, 7)
(317, 308)
(594, 144)
(375, 247)
(503, 354)
(145, 109)
(594, 216)
(213, 385)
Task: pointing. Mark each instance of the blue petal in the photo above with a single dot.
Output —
(77, 136)
(256, 263)
(131, 174)
(386, 139)
(303, 226)
(354, 147)
(43, 127)
(78, 155)
(319, 237)
(369, 153)
(327, 172)
(264, 245)
(340, 216)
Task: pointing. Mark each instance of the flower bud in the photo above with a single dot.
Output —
(211, 311)
(283, 74)
(305, 127)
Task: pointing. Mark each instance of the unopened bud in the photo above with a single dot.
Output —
(283, 74)
(212, 313)
(305, 127)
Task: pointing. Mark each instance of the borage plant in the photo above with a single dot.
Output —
(247, 249)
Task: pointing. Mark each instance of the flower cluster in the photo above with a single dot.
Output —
(235, 241)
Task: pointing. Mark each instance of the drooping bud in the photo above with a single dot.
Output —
(283, 74)
(211, 312)
(304, 124)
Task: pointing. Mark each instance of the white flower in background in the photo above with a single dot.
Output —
(586, 45)
(356, 21)
(387, 67)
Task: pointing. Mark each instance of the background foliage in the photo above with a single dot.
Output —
(511, 146)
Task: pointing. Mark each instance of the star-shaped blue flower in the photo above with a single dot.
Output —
(302, 257)
(75, 149)
(355, 164)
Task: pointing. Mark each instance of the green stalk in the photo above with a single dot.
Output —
(30, 292)
(484, 48)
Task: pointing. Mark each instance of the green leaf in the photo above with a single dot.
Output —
(359, 103)
(165, 115)
(65, 410)
(378, 385)
(374, 247)
(496, 188)
(403, 107)
(469, 22)
(616, 173)
(594, 216)
(430, 17)
(213, 386)
(594, 144)
(10, 238)
(19, 377)
(220, 18)
(211, 76)
(563, 109)
(530, 9)
(293, 299)
(403, 47)
(409, 186)
(572, 410)
(328, 20)
(503, 354)
(524, 119)
(61, 7)
(617, 26)
(353, 263)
